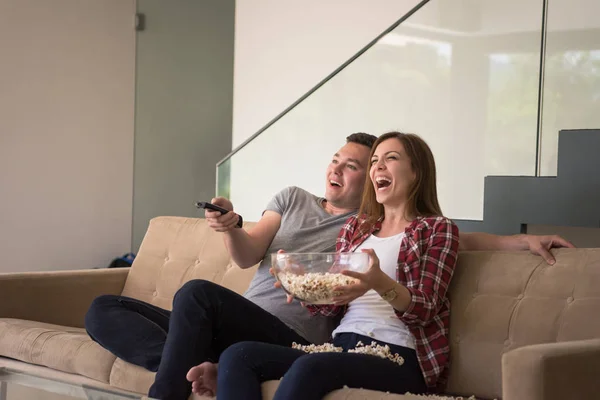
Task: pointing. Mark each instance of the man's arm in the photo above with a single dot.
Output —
(246, 248)
(539, 245)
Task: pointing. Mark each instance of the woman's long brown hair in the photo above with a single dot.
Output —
(422, 198)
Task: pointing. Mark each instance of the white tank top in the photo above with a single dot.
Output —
(370, 315)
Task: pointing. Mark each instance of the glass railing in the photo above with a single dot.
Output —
(463, 75)
(571, 84)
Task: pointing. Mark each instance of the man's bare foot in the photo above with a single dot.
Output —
(204, 379)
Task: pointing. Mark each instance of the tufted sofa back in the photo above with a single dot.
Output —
(176, 250)
(505, 300)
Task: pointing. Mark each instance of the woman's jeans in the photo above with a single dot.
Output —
(206, 319)
(244, 366)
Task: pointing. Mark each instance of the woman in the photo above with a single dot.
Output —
(401, 299)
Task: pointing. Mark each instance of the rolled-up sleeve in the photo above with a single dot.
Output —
(437, 265)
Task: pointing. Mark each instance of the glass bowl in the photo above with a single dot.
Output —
(311, 277)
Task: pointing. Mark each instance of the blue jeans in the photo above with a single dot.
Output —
(244, 366)
(206, 319)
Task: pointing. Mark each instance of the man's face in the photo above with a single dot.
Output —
(345, 178)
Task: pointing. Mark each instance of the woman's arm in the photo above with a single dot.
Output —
(384, 284)
(437, 266)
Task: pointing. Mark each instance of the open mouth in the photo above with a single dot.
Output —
(382, 182)
(335, 183)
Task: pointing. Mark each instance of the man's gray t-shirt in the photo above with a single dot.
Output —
(305, 227)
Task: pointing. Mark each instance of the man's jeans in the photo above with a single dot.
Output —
(206, 319)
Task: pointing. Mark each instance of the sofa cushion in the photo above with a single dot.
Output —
(176, 250)
(130, 377)
(269, 388)
(59, 347)
(137, 379)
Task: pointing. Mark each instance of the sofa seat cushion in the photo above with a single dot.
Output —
(269, 388)
(130, 377)
(137, 379)
(59, 347)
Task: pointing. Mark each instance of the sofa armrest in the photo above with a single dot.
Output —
(56, 297)
(552, 371)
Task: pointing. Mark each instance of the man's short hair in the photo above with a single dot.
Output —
(365, 139)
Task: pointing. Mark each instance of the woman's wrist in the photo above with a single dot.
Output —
(383, 283)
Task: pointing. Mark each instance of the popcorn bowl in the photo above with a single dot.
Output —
(311, 277)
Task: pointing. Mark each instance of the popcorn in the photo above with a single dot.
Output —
(411, 396)
(313, 287)
(373, 349)
(313, 348)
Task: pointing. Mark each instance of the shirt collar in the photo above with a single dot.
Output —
(409, 229)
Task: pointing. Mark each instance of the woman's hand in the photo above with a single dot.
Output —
(346, 294)
(367, 281)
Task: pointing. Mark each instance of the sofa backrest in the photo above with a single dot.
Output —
(504, 300)
(176, 250)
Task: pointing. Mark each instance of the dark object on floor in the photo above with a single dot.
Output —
(123, 262)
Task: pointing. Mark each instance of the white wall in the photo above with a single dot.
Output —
(284, 48)
(462, 74)
(66, 132)
(434, 75)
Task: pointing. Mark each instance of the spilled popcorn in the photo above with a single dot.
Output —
(376, 350)
(373, 349)
(313, 348)
(410, 396)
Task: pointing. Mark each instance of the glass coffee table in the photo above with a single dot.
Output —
(18, 385)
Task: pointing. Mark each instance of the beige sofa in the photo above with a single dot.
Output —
(521, 329)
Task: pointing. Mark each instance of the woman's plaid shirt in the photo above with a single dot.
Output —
(428, 254)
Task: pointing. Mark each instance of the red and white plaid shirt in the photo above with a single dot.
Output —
(428, 254)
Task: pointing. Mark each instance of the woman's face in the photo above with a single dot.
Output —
(391, 173)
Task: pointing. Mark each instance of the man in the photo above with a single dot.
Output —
(207, 318)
